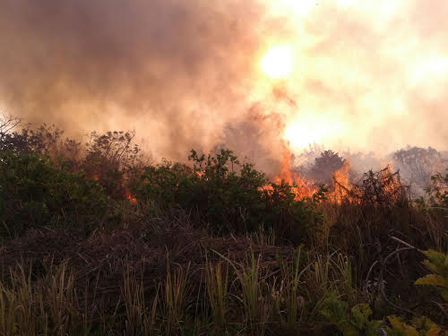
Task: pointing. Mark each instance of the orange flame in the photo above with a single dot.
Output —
(341, 179)
(132, 199)
(302, 188)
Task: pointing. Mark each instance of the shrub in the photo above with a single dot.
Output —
(382, 189)
(34, 193)
(227, 196)
(437, 262)
(353, 322)
(111, 159)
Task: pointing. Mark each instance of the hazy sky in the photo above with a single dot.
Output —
(366, 75)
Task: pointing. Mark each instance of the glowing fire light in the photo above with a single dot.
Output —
(301, 187)
(277, 62)
(129, 196)
(341, 182)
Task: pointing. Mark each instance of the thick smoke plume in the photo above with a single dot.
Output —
(175, 70)
(369, 76)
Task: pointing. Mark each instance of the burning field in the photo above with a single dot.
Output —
(250, 167)
(99, 238)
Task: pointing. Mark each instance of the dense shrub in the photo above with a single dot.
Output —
(111, 159)
(34, 193)
(382, 189)
(227, 196)
(44, 139)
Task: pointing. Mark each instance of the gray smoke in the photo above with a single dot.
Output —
(370, 76)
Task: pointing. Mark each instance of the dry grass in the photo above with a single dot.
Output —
(164, 276)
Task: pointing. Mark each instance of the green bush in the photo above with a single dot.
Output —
(33, 193)
(227, 196)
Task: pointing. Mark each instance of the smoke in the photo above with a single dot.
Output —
(173, 70)
(373, 75)
(185, 74)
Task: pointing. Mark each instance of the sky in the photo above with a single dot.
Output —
(366, 76)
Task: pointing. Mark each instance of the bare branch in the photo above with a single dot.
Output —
(8, 123)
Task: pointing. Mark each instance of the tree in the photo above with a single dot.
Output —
(325, 166)
(7, 124)
(417, 165)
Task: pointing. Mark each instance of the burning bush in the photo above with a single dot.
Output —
(374, 210)
(111, 159)
(382, 189)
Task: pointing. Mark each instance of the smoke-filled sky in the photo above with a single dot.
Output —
(366, 75)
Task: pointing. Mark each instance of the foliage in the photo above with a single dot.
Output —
(353, 322)
(438, 191)
(357, 323)
(207, 248)
(7, 125)
(437, 262)
(33, 193)
(111, 159)
(419, 326)
(43, 140)
(228, 196)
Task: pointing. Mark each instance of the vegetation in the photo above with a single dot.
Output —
(33, 193)
(325, 165)
(417, 164)
(228, 198)
(96, 241)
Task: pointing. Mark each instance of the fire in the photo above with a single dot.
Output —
(130, 197)
(302, 188)
(277, 62)
(341, 182)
